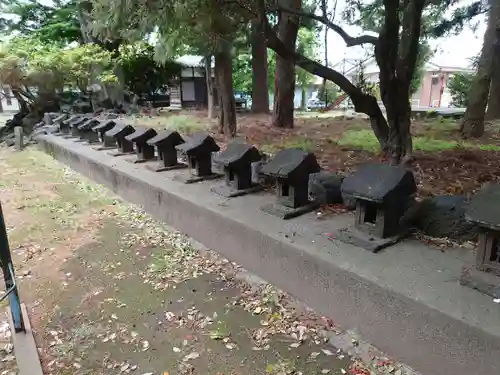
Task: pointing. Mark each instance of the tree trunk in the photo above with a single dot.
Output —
(399, 117)
(260, 90)
(23, 105)
(210, 87)
(493, 110)
(303, 99)
(284, 82)
(227, 105)
(118, 88)
(326, 64)
(473, 122)
(363, 103)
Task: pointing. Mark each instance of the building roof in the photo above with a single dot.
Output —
(238, 153)
(292, 164)
(371, 67)
(191, 61)
(378, 182)
(484, 209)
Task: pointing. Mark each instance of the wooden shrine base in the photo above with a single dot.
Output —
(190, 179)
(230, 192)
(161, 168)
(121, 153)
(285, 213)
(354, 236)
(102, 148)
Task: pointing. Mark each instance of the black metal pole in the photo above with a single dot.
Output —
(9, 277)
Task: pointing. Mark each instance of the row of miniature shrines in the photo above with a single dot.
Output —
(383, 193)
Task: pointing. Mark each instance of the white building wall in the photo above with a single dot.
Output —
(8, 104)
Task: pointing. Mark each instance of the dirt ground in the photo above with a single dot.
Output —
(111, 291)
(444, 163)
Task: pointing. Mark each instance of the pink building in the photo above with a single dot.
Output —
(433, 91)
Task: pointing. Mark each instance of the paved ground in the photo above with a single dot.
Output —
(111, 291)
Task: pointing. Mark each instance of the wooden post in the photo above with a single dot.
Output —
(19, 137)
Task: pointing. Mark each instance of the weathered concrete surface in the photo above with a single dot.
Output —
(406, 300)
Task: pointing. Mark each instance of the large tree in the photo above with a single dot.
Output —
(260, 92)
(284, 78)
(473, 122)
(206, 26)
(37, 72)
(493, 110)
(396, 50)
(55, 23)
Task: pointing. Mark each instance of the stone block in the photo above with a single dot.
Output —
(324, 187)
(444, 216)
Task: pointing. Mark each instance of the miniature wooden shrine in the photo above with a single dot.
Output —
(59, 119)
(383, 193)
(74, 125)
(237, 161)
(165, 142)
(291, 169)
(198, 149)
(119, 132)
(101, 129)
(484, 210)
(64, 125)
(139, 138)
(86, 132)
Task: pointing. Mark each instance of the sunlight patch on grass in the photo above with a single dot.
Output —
(364, 139)
(184, 124)
(440, 127)
(295, 142)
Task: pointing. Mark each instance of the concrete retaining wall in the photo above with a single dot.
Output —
(405, 300)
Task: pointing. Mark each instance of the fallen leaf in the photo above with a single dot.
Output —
(326, 352)
(325, 371)
(313, 355)
(295, 345)
(169, 316)
(176, 349)
(191, 356)
(145, 345)
(124, 367)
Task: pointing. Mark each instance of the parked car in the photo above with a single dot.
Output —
(315, 104)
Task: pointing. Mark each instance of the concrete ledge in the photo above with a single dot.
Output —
(406, 300)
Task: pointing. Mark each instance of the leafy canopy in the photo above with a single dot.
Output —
(459, 86)
(56, 23)
(142, 74)
(29, 62)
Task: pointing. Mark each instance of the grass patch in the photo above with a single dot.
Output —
(295, 142)
(364, 139)
(184, 124)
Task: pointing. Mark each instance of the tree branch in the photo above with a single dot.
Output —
(412, 21)
(363, 103)
(349, 40)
